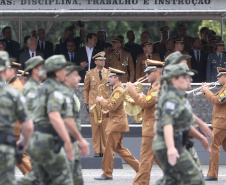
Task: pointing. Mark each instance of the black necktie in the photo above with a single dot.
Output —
(149, 56)
(72, 57)
(118, 55)
(100, 75)
(32, 55)
(198, 57)
(42, 46)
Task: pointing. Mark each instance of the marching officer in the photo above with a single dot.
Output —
(141, 59)
(51, 132)
(218, 124)
(93, 80)
(116, 126)
(121, 59)
(33, 66)
(25, 166)
(13, 108)
(147, 102)
(71, 82)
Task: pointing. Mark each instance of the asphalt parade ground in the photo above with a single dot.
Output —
(126, 175)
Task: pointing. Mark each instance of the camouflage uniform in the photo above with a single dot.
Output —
(12, 108)
(30, 93)
(75, 165)
(175, 58)
(52, 167)
(174, 109)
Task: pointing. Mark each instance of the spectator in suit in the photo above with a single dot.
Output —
(198, 60)
(43, 45)
(84, 55)
(70, 54)
(69, 34)
(2, 46)
(12, 47)
(32, 52)
(134, 48)
(34, 34)
(202, 33)
(216, 59)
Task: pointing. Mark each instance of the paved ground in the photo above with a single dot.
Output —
(126, 175)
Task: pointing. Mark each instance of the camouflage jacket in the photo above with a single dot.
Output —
(29, 92)
(173, 108)
(75, 104)
(50, 98)
(12, 107)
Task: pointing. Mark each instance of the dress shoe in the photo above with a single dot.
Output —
(207, 178)
(103, 178)
(97, 155)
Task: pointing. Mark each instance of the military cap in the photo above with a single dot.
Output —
(54, 63)
(175, 70)
(146, 43)
(182, 26)
(175, 58)
(114, 72)
(99, 56)
(15, 65)
(221, 71)
(4, 60)
(152, 64)
(22, 73)
(73, 67)
(34, 62)
(164, 29)
(219, 43)
(117, 39)
(216, 38)
(179, 41)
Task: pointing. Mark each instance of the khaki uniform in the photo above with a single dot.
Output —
(116, 125)
(183, 53)
(160, 47)
(125, 64)
(91, 84)
(219, 130)
(187, 42)
(25, 166)
(140, 66)
(146, 154)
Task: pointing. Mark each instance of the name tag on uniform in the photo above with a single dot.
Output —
(170, 105)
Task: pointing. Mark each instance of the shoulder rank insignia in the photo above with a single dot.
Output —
(113, 101)
(148, 98)
(154, 93)
(222, 95)
(116, 95)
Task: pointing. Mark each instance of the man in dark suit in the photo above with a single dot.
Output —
(44, 46)
(12, 47)
(70, 54)
(84, 55)
(32, 52)
(198, 61)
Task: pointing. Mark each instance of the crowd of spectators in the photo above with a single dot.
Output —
(206, 51)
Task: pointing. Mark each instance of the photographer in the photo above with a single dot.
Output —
(69, 35)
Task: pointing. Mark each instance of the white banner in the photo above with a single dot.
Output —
(112, 5)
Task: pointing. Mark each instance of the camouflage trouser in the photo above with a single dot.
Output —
(185, 172)
(195, 156)
(76, 167)
(51, 167)
(7, 163)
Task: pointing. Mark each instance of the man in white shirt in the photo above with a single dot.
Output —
(32, 52)
(84, 55)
